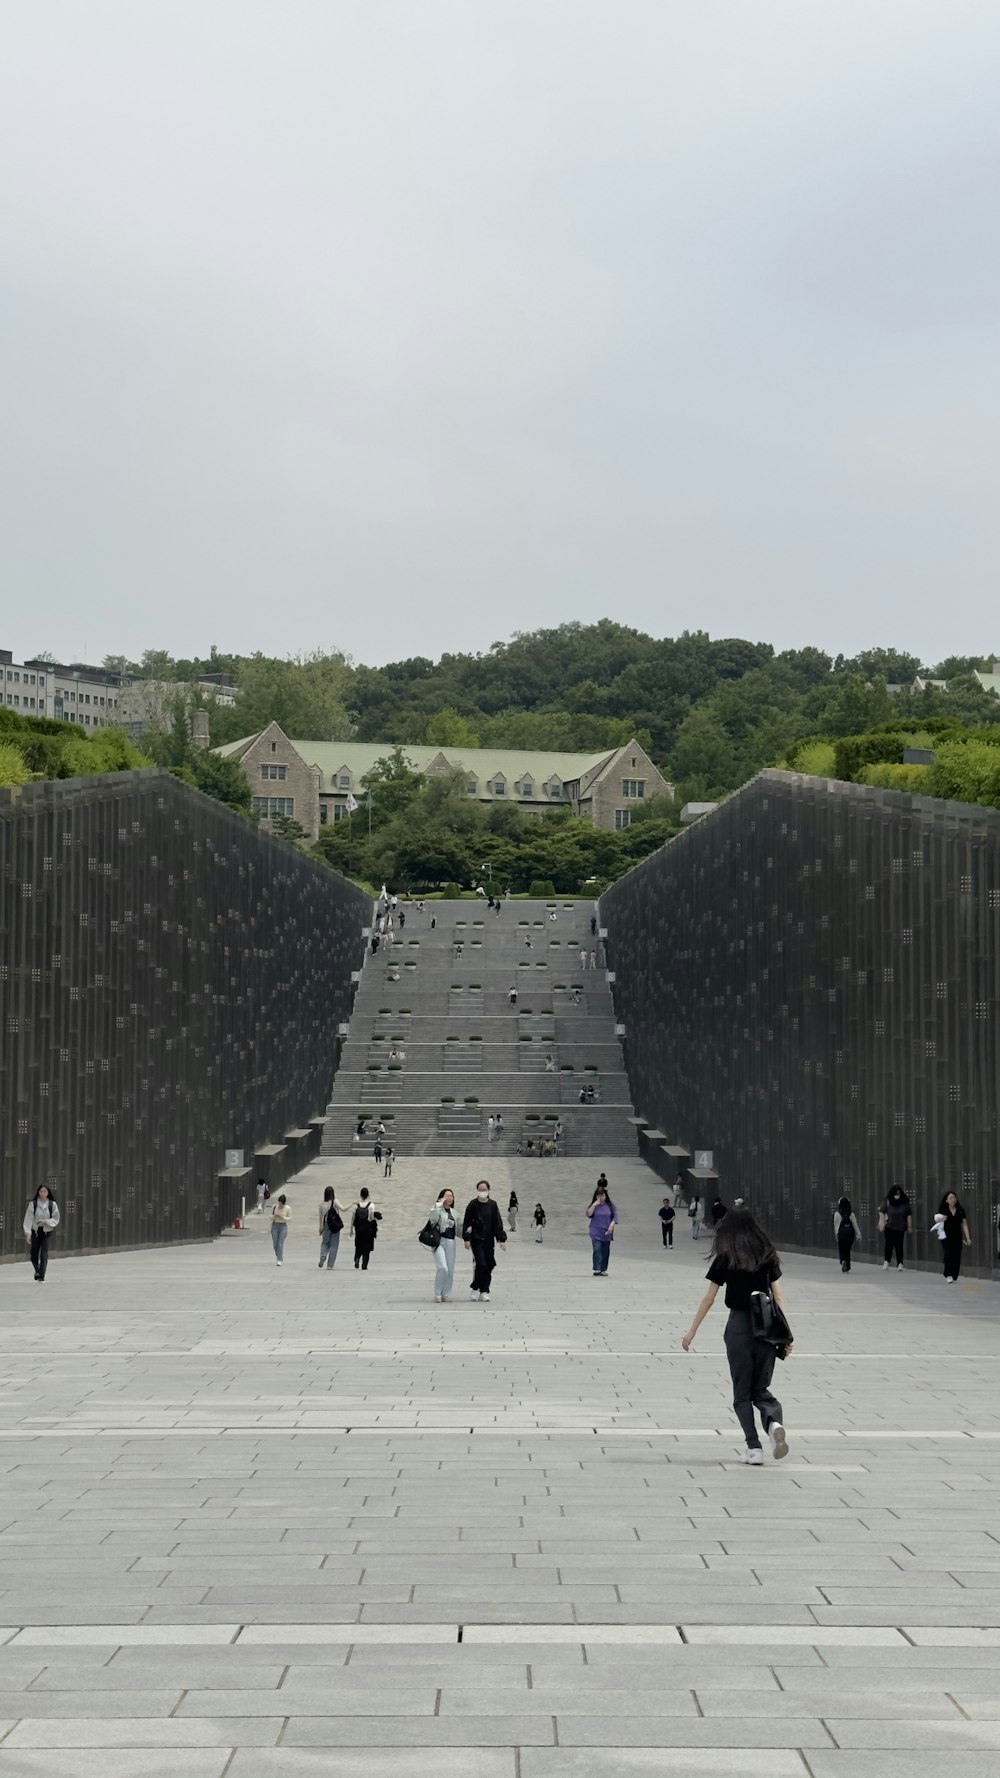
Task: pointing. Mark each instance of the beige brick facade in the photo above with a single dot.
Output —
(277, 773)
(619, 787)
(319, 776)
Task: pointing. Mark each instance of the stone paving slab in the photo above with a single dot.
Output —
(304, 1523)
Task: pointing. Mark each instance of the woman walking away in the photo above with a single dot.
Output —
(744, 1261)
(279, 1227)
(364, 1223)
(539, 1222)
(442, 1218)
(261, 1195)
(696, 1211)
(603, 1217)
(482, 1228)
(956, 1235)
(512, 1209)
(331, 1221)
(666, 1215)
(895, 1221)
(846, 1231)
(40, 1219)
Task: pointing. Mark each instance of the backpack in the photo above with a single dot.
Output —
(334, 1220)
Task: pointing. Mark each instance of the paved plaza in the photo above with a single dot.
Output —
(273, 1523)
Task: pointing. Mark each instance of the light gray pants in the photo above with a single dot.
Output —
(444, 1268)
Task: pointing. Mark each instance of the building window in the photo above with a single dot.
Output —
(526, 787)
(273, 805)
(472, 787)
(345, 781)
(72, 697)
(275, 773)
(17, 678)
(634, 787)
(622, 817)
(41, 678)
(499, 787)
(324, 814)
(32, 678)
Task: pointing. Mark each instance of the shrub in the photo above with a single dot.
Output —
(13, 765)
(540, 888)
(915, 779)
(451, 892)
(816, 758)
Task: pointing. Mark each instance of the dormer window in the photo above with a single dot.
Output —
(344, 781)
(499, 786)
(472, 786)
(526, 787)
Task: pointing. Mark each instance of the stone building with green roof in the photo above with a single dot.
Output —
(311, 781)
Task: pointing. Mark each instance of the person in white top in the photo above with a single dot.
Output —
(40, 1219)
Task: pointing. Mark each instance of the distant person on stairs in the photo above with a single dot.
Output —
(538, 1219)
(279, 1227)
(482, 1228)
(512, 1210)
(512, 996)
(666, 1215)
(331, 1221)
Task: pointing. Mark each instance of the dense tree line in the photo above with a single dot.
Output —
(711, 712)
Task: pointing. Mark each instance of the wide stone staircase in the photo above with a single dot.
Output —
(437, 1046)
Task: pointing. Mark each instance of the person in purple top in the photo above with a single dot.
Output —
(603, 1217)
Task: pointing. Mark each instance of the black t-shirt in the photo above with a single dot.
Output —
(666, 1214)
(740, 1286)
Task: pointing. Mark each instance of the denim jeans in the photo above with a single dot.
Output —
(444, 1268)
(278, 1232)
(328, 1247)
(602, 1254)
(695, 1227)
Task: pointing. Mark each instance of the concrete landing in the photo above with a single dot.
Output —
(263, 1523)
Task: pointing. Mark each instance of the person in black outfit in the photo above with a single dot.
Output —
(593, 925)
(744, 1261)
(482, 1228)
(956, 1235)
(666, 1215)
(364, 1224)
(896, 1222)
(718, 1212)
(845, 1227)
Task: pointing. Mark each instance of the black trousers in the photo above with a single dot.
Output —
(39, 1251)
(894, 1239)
(952, 1256)
(845, 1241)
(668, 1234)
(484, 1261)
(751, 1366)
(362, 1250)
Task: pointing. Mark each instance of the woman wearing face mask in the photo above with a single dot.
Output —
(40, 1219)
(482, 1228)
(895, 1222)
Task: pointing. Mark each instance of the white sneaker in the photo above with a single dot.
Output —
(885, 1265)
(779, 1443)
(753, 1455)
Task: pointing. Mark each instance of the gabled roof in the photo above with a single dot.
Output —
(484, 763)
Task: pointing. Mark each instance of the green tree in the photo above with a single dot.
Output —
(449, 729)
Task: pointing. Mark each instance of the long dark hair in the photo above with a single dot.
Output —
(741, 1243)
(897, 1196)
(844, 1207)
(942, 1208)
(603, 1188)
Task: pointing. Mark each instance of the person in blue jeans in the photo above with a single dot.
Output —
(602, 1219)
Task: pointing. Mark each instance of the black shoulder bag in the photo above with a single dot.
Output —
(767, 1321)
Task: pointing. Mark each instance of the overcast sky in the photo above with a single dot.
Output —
(398, 325)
